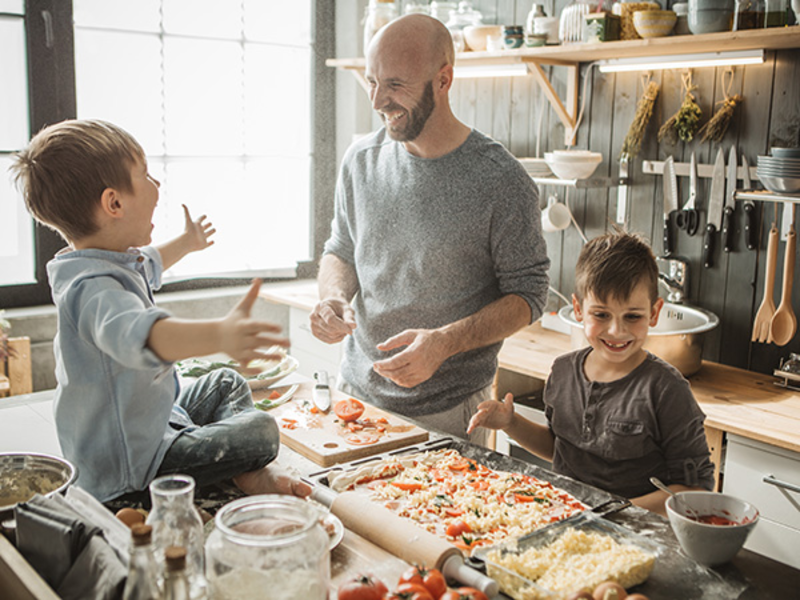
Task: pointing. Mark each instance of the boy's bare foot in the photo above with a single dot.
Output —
(271, 480)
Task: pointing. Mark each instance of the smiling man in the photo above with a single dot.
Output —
(436, 253)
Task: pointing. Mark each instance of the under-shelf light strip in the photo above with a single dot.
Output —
(510, 70)
(682, 61)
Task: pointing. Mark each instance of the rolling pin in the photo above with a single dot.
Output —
(406, 540)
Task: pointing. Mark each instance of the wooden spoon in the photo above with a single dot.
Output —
(763, 320)
(784, 321)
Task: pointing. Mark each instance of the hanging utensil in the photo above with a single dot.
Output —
(749, 209)
(784, 322)
(670, 182)
(716, 201)
(730, 201)
(763, 320)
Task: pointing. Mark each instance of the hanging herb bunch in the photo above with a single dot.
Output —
(683, 124)
(717, 125)
(644, 110)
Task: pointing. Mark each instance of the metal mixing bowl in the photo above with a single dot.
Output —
(25, 474)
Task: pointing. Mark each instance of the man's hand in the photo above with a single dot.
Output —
(332, 320)
(493, 414)
(197, 233)
(425, 352)
(241, 337)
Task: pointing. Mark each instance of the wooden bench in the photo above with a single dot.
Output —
(16, 374)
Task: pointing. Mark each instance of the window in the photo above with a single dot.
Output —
(223, 96)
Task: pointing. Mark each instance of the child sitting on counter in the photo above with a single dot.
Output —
(617, 415)
(121, 416)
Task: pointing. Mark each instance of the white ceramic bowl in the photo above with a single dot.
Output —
(573, 164)
(711, 545)
(654, 23)
(475, 35)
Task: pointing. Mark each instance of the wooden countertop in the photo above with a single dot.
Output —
(734, 400)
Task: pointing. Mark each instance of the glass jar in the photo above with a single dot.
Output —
(270, 547)
(536, 12)
(441, 10)
(465, 16)
(378, 14)
(176, 522)
(775, 13)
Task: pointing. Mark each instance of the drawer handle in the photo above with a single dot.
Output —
(781, 484)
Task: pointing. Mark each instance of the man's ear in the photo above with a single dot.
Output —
(111, 204)
(444, 78)
(576, 308)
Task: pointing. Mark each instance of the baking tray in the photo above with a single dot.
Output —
(520, 587)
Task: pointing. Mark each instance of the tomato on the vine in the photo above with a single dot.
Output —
(411, 591)
(464, 593)
(362, 587)
(431, 579)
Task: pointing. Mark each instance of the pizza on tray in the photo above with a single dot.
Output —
(459, 499)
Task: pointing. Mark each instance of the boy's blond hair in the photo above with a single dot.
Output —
(65, 169)
(612, 265)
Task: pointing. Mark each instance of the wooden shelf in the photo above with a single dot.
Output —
(572, 55)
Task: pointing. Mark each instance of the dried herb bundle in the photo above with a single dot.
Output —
(684, 123)
(644, 110)
(717, 125)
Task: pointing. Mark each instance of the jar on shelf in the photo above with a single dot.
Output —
(176, 522)
(441, 10)
(536, 12)
(378, 14)
(268, 547)
(465, 16)
(412, 8)
(775, 13)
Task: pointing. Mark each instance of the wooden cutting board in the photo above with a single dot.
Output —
(324, 439)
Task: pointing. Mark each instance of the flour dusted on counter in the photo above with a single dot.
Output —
(270, 584)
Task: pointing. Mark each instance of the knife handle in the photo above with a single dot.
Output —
(667, 237)
(749, 225)
(708, 245)
(727, 228)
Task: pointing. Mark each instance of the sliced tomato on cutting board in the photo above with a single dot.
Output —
(348, 410)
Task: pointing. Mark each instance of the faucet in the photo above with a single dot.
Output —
(673, 273)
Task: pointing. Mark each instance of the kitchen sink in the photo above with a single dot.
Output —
(677, 338)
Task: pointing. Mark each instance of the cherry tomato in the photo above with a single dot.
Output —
(362, 587)
(464, 593)
(348, 410)
(457, 527)
(413, 591)
(431, 579)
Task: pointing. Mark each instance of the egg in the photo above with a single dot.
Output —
(581, 596)
(637, 597)
(130, 516)
(609, 590)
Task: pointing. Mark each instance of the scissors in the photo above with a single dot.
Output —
(689, 217)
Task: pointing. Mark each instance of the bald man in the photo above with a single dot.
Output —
(436, 253)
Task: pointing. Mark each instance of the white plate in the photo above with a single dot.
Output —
(338, 530)
(266, 378)
(287, 365)
(267, 404)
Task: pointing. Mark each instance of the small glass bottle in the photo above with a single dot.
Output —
(176, 522)
(176, 579)
(143, 572)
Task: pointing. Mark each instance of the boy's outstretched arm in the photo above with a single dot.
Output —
(196, 236)
(237, 335)
(654, 501)
(533, 437)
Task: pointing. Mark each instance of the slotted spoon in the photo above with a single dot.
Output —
(784, 322)
(763, 320)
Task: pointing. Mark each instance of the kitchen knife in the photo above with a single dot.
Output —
(749, 209)
(670, 200)
(716, 201)
(322, 391)
(730, 201)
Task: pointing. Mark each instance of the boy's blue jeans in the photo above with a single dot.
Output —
(232, 436)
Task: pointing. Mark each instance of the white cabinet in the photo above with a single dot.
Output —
(312, 354)
(769, 478)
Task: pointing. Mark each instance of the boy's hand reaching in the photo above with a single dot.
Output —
(493, 414)
(242, 337)
(197, 232)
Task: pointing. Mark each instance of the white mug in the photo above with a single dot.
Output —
(556, 216)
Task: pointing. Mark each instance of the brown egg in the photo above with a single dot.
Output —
(637, 597)
(609, 590)
(130, 516)
(581, 596)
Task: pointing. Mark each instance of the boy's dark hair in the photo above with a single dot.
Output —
(612, 265)
(65, 169)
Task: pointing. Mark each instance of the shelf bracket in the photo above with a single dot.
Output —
(566, 114)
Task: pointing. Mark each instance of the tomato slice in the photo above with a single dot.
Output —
(362, 439)
(407, 486)
(457, 527)
(348, 410)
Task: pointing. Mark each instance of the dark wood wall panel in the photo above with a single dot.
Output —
(508, 110)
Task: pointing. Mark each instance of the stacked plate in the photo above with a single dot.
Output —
(536, 167)
(780, 173)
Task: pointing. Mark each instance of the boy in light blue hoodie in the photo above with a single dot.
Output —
(121, 415)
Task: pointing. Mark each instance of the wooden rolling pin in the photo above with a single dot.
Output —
(406, 540)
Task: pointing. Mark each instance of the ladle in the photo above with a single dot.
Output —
(678, 502)
(784, 322)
